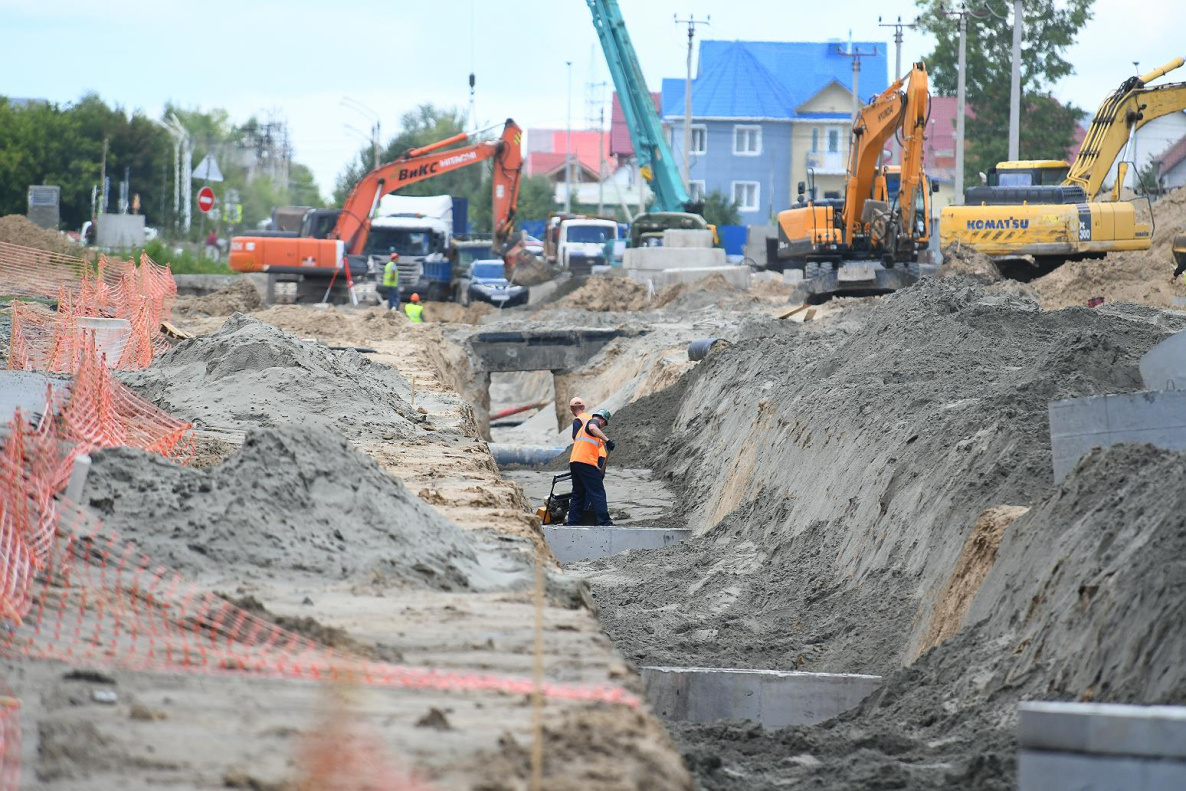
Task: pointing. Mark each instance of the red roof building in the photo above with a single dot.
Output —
(545, 152)
(619, 134)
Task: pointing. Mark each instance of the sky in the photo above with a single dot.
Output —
(326, 66)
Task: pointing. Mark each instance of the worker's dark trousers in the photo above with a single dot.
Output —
(588, 491)
(393, 297)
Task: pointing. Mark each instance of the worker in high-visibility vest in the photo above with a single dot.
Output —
(391, 281)
(586, 463)
(415, 310)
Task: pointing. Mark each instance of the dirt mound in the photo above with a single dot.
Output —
(767, 287)
(834, 495)
(18, 229)
(251, 374)
(452, 313)
(296, 499)
(239, 297)
(966, 262)
(675, 294)
(605, 294)
(1083, 602)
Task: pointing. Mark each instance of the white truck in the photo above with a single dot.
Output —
(581, 244)
(420, 229)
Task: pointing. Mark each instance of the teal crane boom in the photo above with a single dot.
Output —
(646, 132)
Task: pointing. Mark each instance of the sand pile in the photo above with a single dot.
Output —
(968, 263)
(604, 294)
(18, 229)
(296, 499)
(697, 294)
(452, 313)
(251, 374)
(1084, 602)
(239, 297)
(835, 492)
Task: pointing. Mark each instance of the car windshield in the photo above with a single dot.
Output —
(467, 255)
(591, 233)
(385, 241)
(488, 270)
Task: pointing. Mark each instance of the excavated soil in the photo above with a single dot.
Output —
(251, 374)
(18, 229)
(1084, 602)
(239, 297)
(834, 494)
(862, 499)
(602, 294)
(295, 499)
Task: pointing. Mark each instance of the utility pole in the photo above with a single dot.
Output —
(898, 27)
(1015, 85)
(855, 55)
(568, 145)
(691, 22)
(103, 178)
(601, 165)
(960, 98)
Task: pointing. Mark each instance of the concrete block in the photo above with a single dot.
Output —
(119, 231)
(687, 237)
(26, 391)
(1103, 729)
(736, 276)
(1048, 771)
(574, 544)
(1164, 366)
(755, 242)
(1079, 424)
(657, 258)
(792, 276)
(773, 698)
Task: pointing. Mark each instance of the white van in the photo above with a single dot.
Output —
(582, 244)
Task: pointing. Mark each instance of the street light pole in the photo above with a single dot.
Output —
(855, 55)
(568, 145)
(898, 27)
(692, 22)
(960, 98)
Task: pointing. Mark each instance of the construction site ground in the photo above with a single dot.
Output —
(869, 488)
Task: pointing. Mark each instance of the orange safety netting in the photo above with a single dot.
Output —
(118, 303)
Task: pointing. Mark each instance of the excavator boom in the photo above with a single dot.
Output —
(872, 129)
(427, 162)
(1129, 107)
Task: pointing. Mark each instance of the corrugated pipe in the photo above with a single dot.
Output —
(699, 349)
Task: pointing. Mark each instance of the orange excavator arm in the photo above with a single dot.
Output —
(427, 162)
(914, 126)
(874, 126)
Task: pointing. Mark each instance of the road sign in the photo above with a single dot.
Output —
(206, 199)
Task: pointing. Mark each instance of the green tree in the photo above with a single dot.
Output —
(536, 200)
(719, 210)
(1047, 127)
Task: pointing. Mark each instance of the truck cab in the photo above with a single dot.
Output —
(420, 231)
(581, 244)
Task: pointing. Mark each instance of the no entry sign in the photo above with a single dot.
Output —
(205, 199)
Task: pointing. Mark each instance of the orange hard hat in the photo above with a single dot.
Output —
(395, 255)
(415, 297)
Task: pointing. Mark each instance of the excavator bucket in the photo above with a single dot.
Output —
(525, 269)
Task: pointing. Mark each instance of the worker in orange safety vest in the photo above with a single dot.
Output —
(589, 448)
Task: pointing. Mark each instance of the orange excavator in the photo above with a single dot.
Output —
(873, 240)
(315, 256)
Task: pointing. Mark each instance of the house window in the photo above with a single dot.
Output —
(699, 139)
(697, 190)
(814, 141)
(833, 140)
(745, 195)
(747, 141)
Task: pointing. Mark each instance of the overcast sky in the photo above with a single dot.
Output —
(301, 57)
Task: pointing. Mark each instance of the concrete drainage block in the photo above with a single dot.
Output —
(574, 544)
(1079, 424)
(1098, 746)
(773, 698)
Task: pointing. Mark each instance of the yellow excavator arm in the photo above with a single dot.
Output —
(875, 124)
(1129, 107)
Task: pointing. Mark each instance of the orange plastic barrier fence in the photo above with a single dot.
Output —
(118, 303)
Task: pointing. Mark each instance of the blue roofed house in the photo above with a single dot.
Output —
(764, 112)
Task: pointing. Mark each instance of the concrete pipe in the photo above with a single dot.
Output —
(527, 455)
(699, 349)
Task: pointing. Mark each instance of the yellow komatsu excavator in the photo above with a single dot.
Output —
(1048, 210)
(871, 241)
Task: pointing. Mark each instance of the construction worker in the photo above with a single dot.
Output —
(601, 420)
(579, 415)
(415, 310)
(391, 281)
(588, 486)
